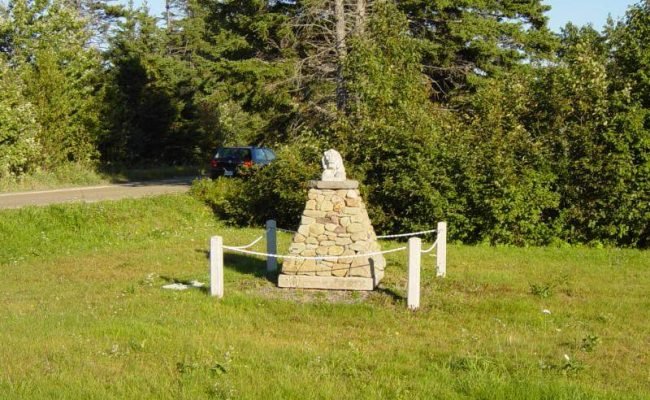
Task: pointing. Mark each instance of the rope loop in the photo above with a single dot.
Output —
(248, 245)
(433, 246)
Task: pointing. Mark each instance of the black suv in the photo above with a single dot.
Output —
(228, 159)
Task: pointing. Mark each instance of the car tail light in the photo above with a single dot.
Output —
(214, 163)
(248, 163)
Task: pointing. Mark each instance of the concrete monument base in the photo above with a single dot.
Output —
(325, 282)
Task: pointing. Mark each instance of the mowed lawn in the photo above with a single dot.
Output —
(83, 316)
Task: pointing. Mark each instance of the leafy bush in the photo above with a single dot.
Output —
(225, 197)
(277, 191)
(502, 168)
(19, 148)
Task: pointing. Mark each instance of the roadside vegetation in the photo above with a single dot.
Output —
(473, 112)
(70, 175)
(84, 316)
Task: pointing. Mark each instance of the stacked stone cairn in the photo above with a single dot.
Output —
(335, 222)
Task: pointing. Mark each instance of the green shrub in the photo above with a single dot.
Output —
(277, 191)
(225, 197)
(19, 148)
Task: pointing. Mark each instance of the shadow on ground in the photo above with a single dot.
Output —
(139, 176)
(392, 294)
(245, 264)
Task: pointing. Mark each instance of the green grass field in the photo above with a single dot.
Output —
(83, 316)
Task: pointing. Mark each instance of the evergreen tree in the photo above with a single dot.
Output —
(139, 112)
(466, 41)
(46, 43)
(249, 66)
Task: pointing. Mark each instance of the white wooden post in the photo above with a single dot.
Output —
(216, 266)
(413, 285)
(441, 250)
(271, 246)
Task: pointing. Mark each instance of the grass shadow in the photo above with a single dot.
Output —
(245, 264)
(390, 293)
(248, 265)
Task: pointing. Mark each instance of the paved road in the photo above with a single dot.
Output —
(95, 193)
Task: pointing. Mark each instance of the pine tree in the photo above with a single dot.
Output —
(139, 111)
(248, 69)
(47, 44)
(466, 41)
(324, 29)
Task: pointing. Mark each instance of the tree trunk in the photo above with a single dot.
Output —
(361, 17)
(341, 51)
(168, 14)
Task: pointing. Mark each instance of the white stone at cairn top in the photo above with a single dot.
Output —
(333, 169)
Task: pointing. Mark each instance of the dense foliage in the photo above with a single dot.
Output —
(468, 111)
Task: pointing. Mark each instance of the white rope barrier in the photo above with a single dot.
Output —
(433, 246)
(405, 234)
(414, 255)
(288, 257)
(251, 244)
(410, 234)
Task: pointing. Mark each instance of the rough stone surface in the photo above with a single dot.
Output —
(355, 227)
(305, 220)
(326, 205)
(334, 184)
(314, 213)
(304, 230)
(352, 210)
(316, 229)
(334, 223)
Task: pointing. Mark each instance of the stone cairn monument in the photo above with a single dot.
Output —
(334, 223)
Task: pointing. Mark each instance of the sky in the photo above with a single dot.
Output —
(580, 12)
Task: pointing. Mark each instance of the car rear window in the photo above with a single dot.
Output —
(270, 155)
(259, 155)
(233, 152)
